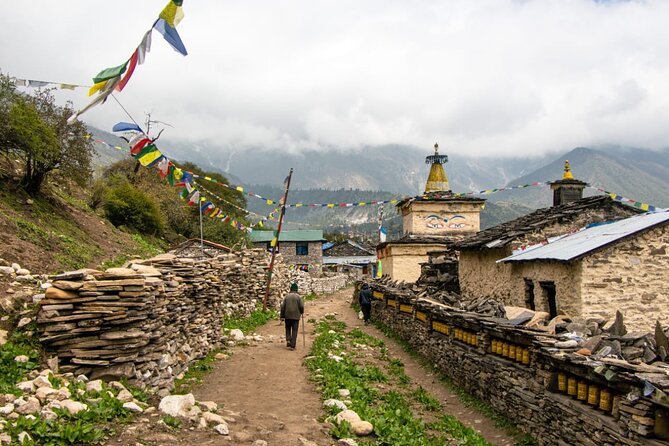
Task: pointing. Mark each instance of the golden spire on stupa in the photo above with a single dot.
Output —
(567, 171)
(437, 181)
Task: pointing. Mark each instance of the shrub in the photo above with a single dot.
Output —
(127, 206)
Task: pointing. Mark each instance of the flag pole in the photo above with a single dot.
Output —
(275, 241)
(201, 231)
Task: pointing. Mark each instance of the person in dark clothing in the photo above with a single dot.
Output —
(365, 299)
(292, 308)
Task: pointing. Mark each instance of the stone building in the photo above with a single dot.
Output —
(480, 273)
(349, 257)
(196, 248)
(300, 248)
(622, 265)
(431, 222)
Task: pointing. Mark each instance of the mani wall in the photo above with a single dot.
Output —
(150, 321)
(557, 396)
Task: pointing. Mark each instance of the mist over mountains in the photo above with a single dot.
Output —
(395, 171)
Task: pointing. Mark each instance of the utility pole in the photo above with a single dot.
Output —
(275, 241)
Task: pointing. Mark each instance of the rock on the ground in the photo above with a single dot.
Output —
(347, 442)
(347, 415)
(72, 406)
(133, 407)
(304, 442)
(209, 406)
(362, 428)
(222, 429)
(177, 405)
(95, 385)
(344, 393)
(26, 406)
(260, 443)
(24, 437)
(212, 418)
(125, 396)
(335, 403)
(237, 334)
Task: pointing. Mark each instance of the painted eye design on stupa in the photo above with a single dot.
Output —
(434, 221)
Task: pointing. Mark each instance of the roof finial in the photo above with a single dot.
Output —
(567, 171)
(436, 148)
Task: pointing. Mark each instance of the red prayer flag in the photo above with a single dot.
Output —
(128, 73)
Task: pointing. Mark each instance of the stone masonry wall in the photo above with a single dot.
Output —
(521, 375)
(148, 322)
(643, 287)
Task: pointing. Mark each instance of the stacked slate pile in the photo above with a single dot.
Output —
(440, 273)
(149, 321)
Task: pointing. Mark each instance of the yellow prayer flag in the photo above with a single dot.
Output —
(269, 201)
(299, 205)
(208, 178)
(240, 189)
(273, 242)
(330, 205)
(644, 206)
(362, 203)
(97, 87)
(172, 14)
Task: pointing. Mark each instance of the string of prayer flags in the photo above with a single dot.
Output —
(637, 204)
(117, 77)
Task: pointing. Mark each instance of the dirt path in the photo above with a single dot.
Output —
(266, 395)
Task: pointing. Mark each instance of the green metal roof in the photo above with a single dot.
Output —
(310, 235)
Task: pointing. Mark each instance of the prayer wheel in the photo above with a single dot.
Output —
(499, 347)
(562, 382)
(605, 400)
(475, 340)
(593, 395)
(571, 386)
(582, 392)
(493, 346)
(526, 356)
(662, 424)
(512, 351)
(505, 349)
(519, 354)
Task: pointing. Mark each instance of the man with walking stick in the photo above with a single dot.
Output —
(292, 309)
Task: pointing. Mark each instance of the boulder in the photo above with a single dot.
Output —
(212, 418)
(362, 428)
(347, 415)
(335, 403)
(222, 429)
(177, 405)
(72, 406)
(28, 405)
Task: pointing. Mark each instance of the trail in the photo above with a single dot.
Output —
(265, 394)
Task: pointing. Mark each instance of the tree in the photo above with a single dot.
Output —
(35, 129)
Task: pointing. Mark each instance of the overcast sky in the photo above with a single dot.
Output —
(482, 77)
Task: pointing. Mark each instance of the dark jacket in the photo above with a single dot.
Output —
(292, 306)
(365, 296)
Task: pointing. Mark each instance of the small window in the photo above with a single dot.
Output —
(529, 294)
(302, 249)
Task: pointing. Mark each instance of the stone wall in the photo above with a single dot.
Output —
(632, 276)
(149, 321)
(522, 374)
(314, 258)
(450, 218)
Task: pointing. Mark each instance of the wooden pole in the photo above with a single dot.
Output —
(276, 244)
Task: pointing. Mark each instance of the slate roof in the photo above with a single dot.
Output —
(505, 233)
(347, 248)
(297, 235)
(579, 244)
(410, 239)
(442, 196)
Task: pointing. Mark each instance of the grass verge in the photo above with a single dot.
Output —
(380, 391)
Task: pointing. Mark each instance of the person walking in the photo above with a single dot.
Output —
(292, 308)
(365, 299)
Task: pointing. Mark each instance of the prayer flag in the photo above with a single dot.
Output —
(172, 14)
(171, 36)
(97, 87)
(101, 98)
(133, 63)
(110, 73)
(125, 126)
(137, 148)
(144, 47)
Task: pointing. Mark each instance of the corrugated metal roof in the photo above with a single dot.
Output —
(570, 247)
(346, 260)
(306, 235)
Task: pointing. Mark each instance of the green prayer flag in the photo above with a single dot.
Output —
(109, 73)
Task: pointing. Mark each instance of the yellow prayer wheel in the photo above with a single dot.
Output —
(493, 346)
(500, 347)
(512, 351)
(605, 400)
(519, 354)
(582, 392)
(593, 395)
(526, 356)
(571, 386)
(457, 334)
(562, 382)
(475, 340)
(505, 349)
(465, 337)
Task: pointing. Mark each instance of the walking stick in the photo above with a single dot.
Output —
(304, 336)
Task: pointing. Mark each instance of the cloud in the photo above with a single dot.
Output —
(482, 78)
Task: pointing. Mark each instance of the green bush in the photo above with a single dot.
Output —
(126, 205)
